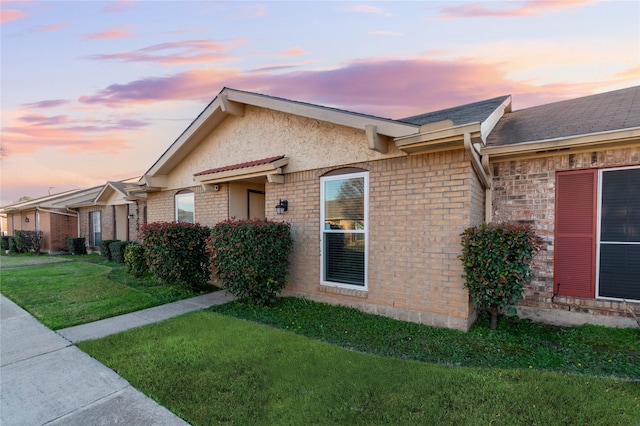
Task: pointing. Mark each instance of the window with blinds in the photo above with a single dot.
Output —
(344, 219)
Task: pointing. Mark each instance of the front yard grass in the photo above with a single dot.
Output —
(517, 343)
(82, 290)
(214, 369)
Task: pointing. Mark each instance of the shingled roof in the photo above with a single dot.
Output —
(603, 112)
(475, 112)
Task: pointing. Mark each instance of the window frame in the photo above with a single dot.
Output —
(364, 231)
(599, 231)
(183, 194)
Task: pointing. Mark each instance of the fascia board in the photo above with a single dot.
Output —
(385, 127)
(442, 135)
(247, 172)
(577, 141)
(487, 125)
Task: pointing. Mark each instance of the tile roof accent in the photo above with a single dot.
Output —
(241, 165)
(603, 112)
(475, 112)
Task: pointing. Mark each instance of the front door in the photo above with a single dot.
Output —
(255, 204)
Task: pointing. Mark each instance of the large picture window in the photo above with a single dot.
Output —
(344, 219)
(185, 207)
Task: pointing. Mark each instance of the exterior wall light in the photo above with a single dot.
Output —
(282, 206)
(26, 219)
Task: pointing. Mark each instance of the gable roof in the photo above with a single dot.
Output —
(605, 112)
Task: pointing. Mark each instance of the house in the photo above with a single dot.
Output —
(101, 212)
(112, 214)
(50, 215)
(377, 205)
(571, 169)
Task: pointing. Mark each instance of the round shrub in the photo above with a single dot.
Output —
(250, 257)
(496, 260)
(176, 252)
(134, 260)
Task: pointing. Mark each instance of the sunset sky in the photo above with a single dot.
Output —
(94, 91)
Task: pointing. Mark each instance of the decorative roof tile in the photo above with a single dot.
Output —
(241, 165)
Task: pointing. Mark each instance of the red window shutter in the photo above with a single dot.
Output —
(575, 233)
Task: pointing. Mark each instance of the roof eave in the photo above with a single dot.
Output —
(620, 137)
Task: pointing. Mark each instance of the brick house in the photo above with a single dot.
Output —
(101, 212)
(377, 205)
(571, 169)
(50, 215)
(111, 215)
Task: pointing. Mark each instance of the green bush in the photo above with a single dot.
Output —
(12, 245)
(76, 246)
(250, 257)
(134, 260)
(176, 253)
(116, 250)
(104, 248)
(496, 260)
(28, 241)
(4, 243)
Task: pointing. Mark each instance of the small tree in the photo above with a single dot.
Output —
(176, 252)
(496, 260)
(250, 257)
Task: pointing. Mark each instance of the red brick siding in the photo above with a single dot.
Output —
(524, 190)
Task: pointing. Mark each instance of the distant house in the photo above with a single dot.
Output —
(50, 215)
(101, 212)
(377, 205)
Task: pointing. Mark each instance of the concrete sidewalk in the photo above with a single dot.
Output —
(44, 379)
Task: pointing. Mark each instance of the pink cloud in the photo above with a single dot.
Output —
(294, 51)
(402, 87)
(250, 11)
(118, 6)
(52, 103)
(184, 52)
(121, 32)
(367, 9)
(9, 15)
(52, 27)
(523, 8)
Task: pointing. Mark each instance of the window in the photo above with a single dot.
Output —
(96, 229)
(185, 207)
(597, 233)
(344, 219)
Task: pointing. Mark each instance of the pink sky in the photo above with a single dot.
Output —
(96, 91)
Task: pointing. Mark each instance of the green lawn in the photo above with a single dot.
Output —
(588, 350)
(83, 290)
(214, 369)
(16, 261)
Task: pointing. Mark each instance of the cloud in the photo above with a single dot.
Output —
(32, 132)
(251, 11)
(52, 103)
(120, 32)
(182, 52)
(52, 27)
(513, 9)
(294, 51)
(118, 6)
(368, 9)
(402, 87)
(9, 15)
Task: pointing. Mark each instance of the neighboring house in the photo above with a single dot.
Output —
(50, 215)
(111, 215)
(101, 212)
(376, 205)
(571, 169)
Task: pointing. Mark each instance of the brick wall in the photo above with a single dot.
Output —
(210, 207)
(60, 227)
(524, 190)
(418, 206)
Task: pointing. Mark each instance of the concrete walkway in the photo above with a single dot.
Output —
(44, 379)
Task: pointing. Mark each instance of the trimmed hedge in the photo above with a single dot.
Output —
(28, 241)
(4, 243)
(104, 248)
(496, 260)
(250, 257)
(134, 260)
(76, 246)
(176, 252)
(12, 245)
(116, 250)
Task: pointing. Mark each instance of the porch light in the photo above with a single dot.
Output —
(26, 219)
(282, 206)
